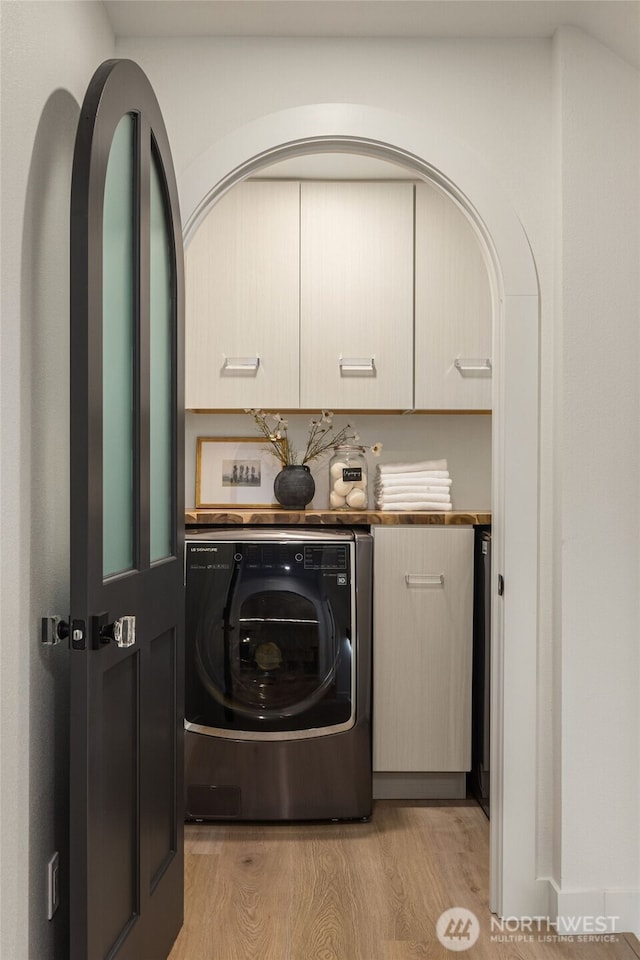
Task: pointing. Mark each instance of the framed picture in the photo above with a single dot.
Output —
(234, 472)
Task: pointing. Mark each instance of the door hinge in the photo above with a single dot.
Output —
(500, 585)
(55, 630)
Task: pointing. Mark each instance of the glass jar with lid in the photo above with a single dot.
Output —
(348, 478)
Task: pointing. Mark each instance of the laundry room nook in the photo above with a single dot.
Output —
(320, 517)
(302, 266)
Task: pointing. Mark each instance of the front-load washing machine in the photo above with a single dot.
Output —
(278, 674)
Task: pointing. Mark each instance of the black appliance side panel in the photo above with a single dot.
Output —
(481, 686)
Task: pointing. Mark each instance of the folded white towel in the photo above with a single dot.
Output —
(421, 505)
(413, 492)
(385, 499)
(407, 480)
(386, 468)
(415, 475)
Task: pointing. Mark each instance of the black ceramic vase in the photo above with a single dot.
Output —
(294, 486)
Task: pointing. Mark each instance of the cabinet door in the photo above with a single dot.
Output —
(423, 622)
(242, 300)
(453, 308)
(356, 295)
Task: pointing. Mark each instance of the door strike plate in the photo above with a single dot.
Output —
(55, 630)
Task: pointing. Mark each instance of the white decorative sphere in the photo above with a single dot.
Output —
(335, 470)
(336, 500)
(357, 498)
(342, 488)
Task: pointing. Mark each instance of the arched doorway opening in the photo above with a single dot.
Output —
(515, 887)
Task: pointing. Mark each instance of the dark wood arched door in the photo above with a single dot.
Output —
(126, 695)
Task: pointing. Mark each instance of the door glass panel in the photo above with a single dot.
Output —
(161, 415)
(118, 352)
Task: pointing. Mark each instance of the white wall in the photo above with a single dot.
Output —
(49, 52)
(464, 441)
(598, 468)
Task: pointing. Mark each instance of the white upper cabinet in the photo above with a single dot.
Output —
(301, 295)
(356, 295)
(242, 300)
(453, 312)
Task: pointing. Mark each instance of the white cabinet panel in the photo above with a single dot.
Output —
(242, 300)
(356, 295)
(422, 648)
(453, 308)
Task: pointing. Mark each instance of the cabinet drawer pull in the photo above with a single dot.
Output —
(464, 366)
(424, 579)
(357, 366)
(248, 365)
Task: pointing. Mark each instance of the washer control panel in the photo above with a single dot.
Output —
(329, 557)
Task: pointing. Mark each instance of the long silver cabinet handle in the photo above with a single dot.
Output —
(354, 366)
(241, 365)
(472, 366)
(424, 579)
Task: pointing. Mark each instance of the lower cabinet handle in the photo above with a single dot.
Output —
(472, 366)
(352, 366)
(424, 579)
(241, 365)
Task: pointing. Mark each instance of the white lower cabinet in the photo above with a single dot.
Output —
(422, 649)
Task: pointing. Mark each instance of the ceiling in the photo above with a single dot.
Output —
(615, 23)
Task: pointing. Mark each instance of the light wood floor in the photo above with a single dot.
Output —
(353, 891)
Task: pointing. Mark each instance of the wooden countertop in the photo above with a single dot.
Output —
(349, 518)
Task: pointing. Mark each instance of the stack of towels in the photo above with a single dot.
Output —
(413, 486)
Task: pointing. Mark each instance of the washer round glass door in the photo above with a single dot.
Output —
(269, 640)
(278, 653)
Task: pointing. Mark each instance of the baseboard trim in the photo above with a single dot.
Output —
(585, 912)
(419, 786)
